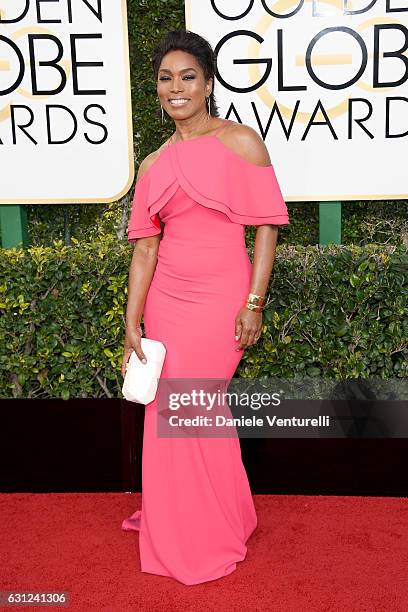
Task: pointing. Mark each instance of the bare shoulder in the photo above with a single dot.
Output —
(149, 160)
(146, 163)
(246, 142)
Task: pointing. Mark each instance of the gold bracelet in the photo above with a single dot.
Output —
(255, 302)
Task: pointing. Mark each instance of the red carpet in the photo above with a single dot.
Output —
(312, 553)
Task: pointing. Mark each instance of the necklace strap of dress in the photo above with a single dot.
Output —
(221, 127)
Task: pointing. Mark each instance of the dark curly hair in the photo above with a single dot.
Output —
(196, 45)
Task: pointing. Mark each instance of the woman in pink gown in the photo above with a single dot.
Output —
(197, 509)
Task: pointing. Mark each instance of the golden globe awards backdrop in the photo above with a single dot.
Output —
(324, 83)
(65, 106)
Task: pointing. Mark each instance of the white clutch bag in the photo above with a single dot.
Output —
(141, 379)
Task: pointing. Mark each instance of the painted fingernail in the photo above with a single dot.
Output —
(143, 360)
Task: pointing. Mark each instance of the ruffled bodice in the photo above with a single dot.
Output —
(212, 175)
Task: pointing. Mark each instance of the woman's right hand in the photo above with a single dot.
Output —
(132, 343)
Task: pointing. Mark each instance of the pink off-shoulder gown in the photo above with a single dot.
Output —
(197, 509)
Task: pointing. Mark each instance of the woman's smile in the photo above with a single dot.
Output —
(178, 101)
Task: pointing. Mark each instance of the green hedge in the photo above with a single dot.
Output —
(337, 312)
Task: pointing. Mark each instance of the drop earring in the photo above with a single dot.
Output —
(162, 114)
(208, 104)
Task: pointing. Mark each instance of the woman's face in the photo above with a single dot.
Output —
(181, 77)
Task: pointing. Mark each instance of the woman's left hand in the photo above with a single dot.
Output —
(248, 327)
